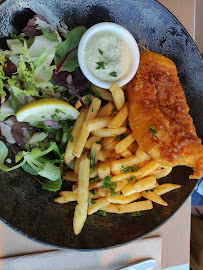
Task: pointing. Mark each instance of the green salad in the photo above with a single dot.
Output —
(40, 81)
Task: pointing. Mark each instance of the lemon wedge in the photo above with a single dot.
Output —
(46, 109)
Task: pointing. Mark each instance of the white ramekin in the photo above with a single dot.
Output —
(126, 35)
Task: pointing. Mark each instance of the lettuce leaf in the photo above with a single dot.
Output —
(53, 185)
(2, 92)
(35, 162)
(3, 156)
(31, 29)
(33, 75)
(63, 48)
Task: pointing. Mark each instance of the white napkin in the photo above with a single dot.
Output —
(88, 260)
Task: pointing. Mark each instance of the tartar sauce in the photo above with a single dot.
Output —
(108, 56)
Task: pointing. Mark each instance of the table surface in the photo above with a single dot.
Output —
(176, 240)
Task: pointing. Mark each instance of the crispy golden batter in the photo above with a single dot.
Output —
(159, 115)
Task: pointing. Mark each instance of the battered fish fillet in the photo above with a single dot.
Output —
(159, 115)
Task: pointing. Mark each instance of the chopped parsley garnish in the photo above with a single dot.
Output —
(119, 193)
(98, 142)
(107, 181)
(136, 214)
(92, 109)
(97, 95)
(94, 179)
(131, 179)
(92, 191)
(92, 160)
(120, 137)
(86, 152)
(111, 185)
(42, 116)
(91, 221)
(153, 130)
(90, 203)
(101, 65)
(71, 163)
(59, 111)
(67, 126)
(119, 209)
(101, 213)
(129, 168)
(55, 117)
(87, 100)
(101, 52)
(113, 74)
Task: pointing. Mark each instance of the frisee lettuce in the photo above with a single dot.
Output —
(2, 78)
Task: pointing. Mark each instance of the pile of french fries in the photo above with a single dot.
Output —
(110, 172)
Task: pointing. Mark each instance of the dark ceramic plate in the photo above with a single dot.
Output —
(30, 210)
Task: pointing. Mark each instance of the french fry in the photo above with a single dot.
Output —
(114, 156)
(68, 157)
(110, 146)
(70, 176)
(164, 188)
(116, 172)
(92, 140)
(101, 155)
(103, 93)
(109, 132)
(78, 104)
(69, 196)
(93, 109)
(154, 185)
(118, 96)
(166, 171)
(120, 199)
(122, 145)
(120, 185)
(102, 191)
(142, 172)
(107, 140)
(106, 110)
(80, 213)
(148, 168)
(80, 143)
(128, 208)
(94, 172)
(152, 196)
(97, 123)
(82, 138)
(133, 147)
(124, 124)
(145, 183)
(128, 189)
(126, 153)
(96, 205)
(60, 200)
(141, 155)
(125, 162)
(119, 119)
(95, 149)
(104, 170)
(96, 184)
(77, 162)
